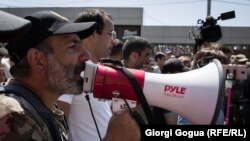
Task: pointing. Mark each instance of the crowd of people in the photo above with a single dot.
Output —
(45, 61)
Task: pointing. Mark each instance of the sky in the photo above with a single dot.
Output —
(158, 12)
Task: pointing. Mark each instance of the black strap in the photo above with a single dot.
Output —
(38, 105)
(140, 94)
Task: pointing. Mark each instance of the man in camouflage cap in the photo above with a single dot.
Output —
(241, 59)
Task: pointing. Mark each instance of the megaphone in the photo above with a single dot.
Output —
(196, 95)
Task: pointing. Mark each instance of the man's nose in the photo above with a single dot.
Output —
(85, 55)
(113, 42)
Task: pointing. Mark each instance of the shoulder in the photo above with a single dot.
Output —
(16, 121)
(156, 69)
(9, 105)
(19, 126)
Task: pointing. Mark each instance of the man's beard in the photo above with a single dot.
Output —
(64, 79)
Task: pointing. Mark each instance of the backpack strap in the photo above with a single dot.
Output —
(141, 96)
(47, 116)
(135, 85)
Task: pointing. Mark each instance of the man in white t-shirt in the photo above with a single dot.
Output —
(81, 122)
(6, 64)
(160, 58)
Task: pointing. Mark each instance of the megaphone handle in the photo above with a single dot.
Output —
(136, 114)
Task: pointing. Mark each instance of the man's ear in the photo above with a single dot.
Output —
(37, 60)
(134, 55)
(93, 35)
(90, 38)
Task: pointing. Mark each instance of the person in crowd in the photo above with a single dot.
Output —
(160, 58)
(173, 65)
(203, 57)
(82, 125)
(244, 100)
(116, 51)
(185, 60)
(163, 116)
(136, 53)
(3, 68)
(225, 49)
(169, 53)
(241, 98)
(5, 62)
(104, 38)
(240, 59)
(46, 65)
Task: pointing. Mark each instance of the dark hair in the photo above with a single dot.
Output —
(94, 15)
(117, 48)
(186, 60)
(173, 65)
(159, 55)
(206, 55)
(135, 44)
(222, 47)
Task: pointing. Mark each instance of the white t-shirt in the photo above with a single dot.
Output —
(7, 64)
(66, 98)
(81, 123)
(156, 69)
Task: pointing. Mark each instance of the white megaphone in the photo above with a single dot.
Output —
(196, 95)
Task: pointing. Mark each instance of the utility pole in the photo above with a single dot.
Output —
(208, 7)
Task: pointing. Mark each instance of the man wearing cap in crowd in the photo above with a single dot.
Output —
(240, 59)
(48, 61)
(168, 52)
(244, 86)
(160, 58)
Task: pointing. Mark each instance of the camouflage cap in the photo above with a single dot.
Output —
(241, 58)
